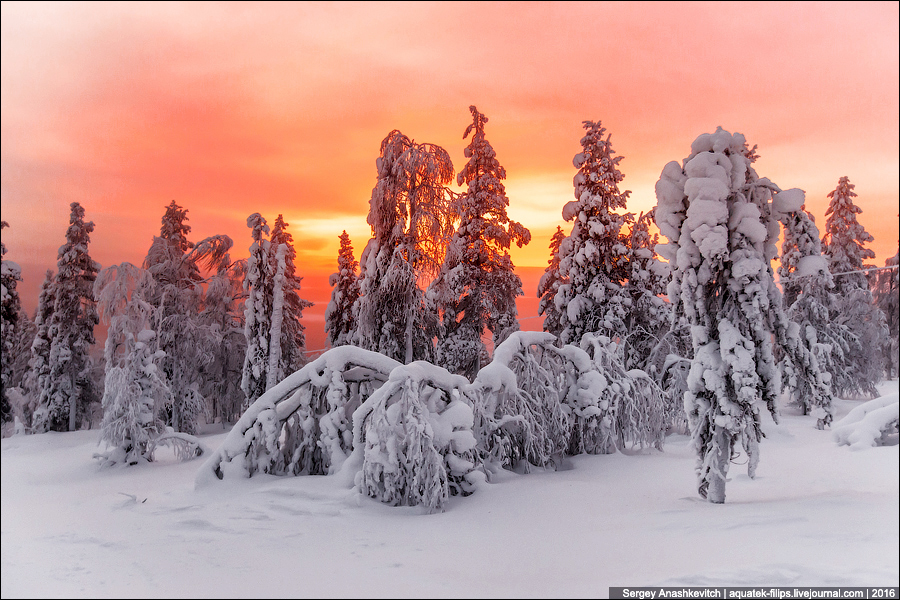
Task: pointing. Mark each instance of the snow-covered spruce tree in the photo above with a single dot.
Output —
(345, 284)
(808, 286)
(177, 299)
(411, 219)
(476, 288)
(68, 388)
(844, 248)
(287, 337)
(718, 217)
(10, 308)
(594, 258)
(648, 315)
(39, 365)
(257, 311)
(549, 284)
(886, 286)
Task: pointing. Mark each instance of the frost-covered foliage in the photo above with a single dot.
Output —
(68, 388)
(549, 284)
(133, 394)
(10, 309)
(648, 316)
(177, 299)
(302, 426)
(39, 372)
(812, 346)
(476, 288)
(339, 323)
(415, 436)
(872, 423)
(411, 219)
(886, 293)
(722, 227)
(844, 248)
(593, 259)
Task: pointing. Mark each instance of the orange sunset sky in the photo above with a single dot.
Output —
(236, 108)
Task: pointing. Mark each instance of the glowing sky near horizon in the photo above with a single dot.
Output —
(236, 108)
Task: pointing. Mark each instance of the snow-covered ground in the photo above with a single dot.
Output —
(818, 513)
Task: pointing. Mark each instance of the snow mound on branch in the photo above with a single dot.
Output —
(868, 424)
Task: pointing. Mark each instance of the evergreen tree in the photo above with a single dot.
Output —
(886, 286)
(411, 221)
(844, 248)
(476, 288)
(10, 309)
(812, 349)
(722, 228)
(594, 258)
(257, 311)
(177, 300)
(68, 388)
(647, 315)
(38, 378)
(549, 284)
(287, 339)
(345, 283)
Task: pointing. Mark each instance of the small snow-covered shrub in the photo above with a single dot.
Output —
(415, 435)
(869, 424)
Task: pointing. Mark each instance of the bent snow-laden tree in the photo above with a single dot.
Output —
(886, 292)
(302, 425)
(476, 288)
(414, 436)
(718, 216)
(411, 219)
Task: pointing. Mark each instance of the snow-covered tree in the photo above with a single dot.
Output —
(68, 388)
(549, 284)
(886, 292)
(177, 300)
(647, 315)
(415, 436)
(223, 318)
(718, 216)
(411, 219)
(10, 309)
(812, 346)
(476, 289)
(287, 338)
(132, 397)
(844, 247)
(39, 365)
(276, 341)
(593, 259)
(345, 283)
(257, 311)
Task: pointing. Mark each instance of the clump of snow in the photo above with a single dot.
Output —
(868, 424)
